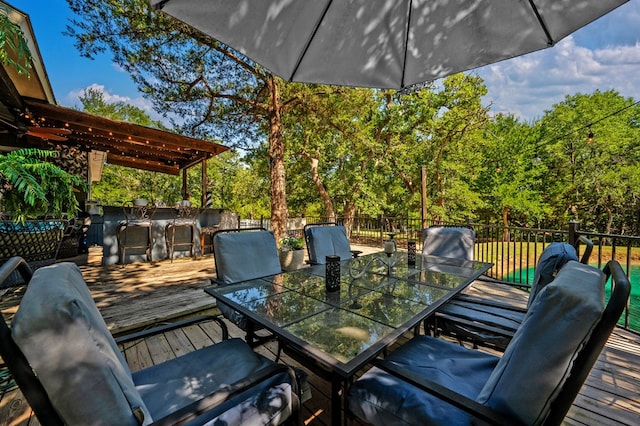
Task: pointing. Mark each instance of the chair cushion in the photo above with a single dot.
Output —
(176, 383)
(68, 345)
(449, 242)
(241, 256)
(536, 362)
(553, 257)
(383, 399)
(326, 241)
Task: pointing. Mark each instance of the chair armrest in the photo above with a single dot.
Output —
(210, 402)
(16, 263)
(487, 302)
(488, 279)
(172, 326)
(497, 331)
(587, 250)
(447, 395)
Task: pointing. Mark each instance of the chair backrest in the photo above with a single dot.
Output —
(450, 242)
(61, 354)
(556, 345)
(553, 257)
(185, 214)
(245, 254)
(326, 239)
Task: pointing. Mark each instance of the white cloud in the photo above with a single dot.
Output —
(529, 85)
(604, 55)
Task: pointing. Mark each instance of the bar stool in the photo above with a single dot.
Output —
(185, 217)
(138, 215)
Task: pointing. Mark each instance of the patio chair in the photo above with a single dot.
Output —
(240, 255)
(486, 322)
(447, 241)
(185, 217)
(432, 381)
(71, 371)
(138, 218)
(327, 239)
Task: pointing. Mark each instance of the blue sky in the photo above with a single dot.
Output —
(603, 55)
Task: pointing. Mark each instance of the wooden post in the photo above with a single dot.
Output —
(205, 183)
(423, 189)
(184, 184)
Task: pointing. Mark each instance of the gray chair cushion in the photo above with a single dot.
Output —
(449, 242)
(553, 257)
(326, 241)
(174, 384)
(82, 370)
(521, 384)
(246, 255)
(383, 399)
(554, 330)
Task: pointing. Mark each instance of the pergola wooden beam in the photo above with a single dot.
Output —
(126, 144)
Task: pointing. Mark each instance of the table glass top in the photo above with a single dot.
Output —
(373, 300)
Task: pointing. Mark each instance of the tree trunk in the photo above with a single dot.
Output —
(277, 173)
(609, 219)
(349, 216)
(324, 195)
(505, 223)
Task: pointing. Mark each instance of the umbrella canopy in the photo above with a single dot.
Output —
(387, 44)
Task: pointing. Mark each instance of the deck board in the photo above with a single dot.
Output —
(136, 296)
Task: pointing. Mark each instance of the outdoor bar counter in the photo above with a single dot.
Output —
(113, 216)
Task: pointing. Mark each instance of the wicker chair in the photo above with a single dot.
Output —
(36, 241)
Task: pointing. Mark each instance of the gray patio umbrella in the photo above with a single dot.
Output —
(384, 43)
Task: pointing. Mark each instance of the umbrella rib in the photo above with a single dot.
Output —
(308, 42)
(541, 22)
(406, 44)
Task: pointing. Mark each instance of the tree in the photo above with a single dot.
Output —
(510, 179)
(203, 86)
(440, 132)
(592, 180)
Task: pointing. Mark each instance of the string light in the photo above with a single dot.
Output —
(588, 126)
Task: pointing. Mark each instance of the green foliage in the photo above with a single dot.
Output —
(33, 187)
(360, 151)
(593, 182)
(14, 50)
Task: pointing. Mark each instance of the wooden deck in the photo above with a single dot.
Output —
(138, 295)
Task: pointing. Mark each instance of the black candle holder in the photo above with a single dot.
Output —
(411, 253)
(332, 273)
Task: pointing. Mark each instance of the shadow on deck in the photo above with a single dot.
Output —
(141, 294)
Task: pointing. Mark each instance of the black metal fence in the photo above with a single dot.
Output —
(514, 251)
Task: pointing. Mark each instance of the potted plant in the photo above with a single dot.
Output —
(291, 252)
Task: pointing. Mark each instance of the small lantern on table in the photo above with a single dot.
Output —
(332, 273)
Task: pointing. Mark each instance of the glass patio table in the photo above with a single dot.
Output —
(337, 333)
